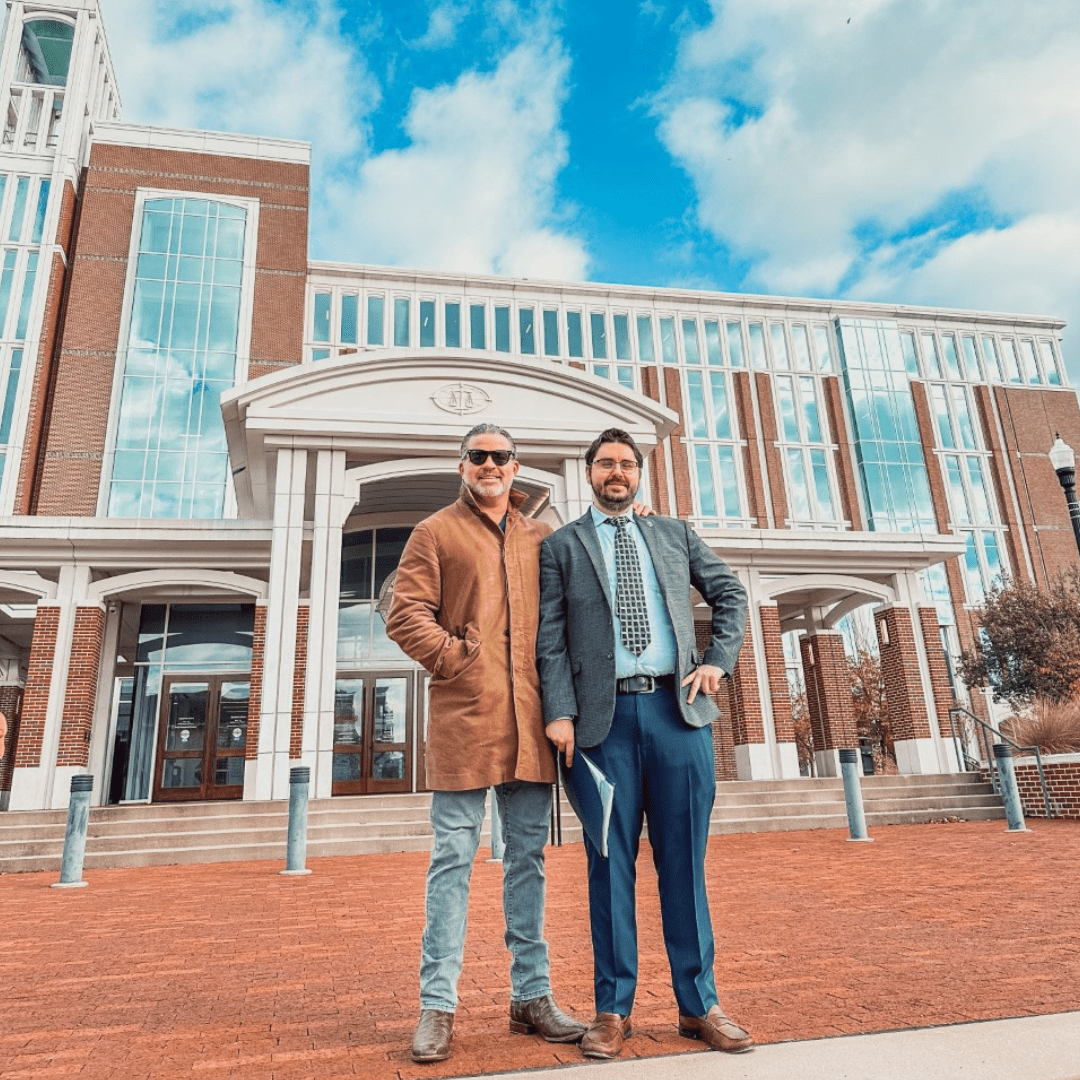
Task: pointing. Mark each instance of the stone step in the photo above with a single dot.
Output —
(160, 834)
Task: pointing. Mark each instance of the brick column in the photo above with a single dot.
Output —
(38, 682)
(258, 650)
(779, 690)
(11, 705)
(828, 698)
(81, 694)
(296, 738)
(908, 716)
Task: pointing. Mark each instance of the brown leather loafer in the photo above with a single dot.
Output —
(717, 1030)
(433, 1036)
(543, 1015)
(606, 1035)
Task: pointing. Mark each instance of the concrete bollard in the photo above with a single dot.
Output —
(498, 843)
(1010, 793)
(75, 837)
(296, 851)
(849, 767)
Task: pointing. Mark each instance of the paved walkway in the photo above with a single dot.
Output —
(231, 970)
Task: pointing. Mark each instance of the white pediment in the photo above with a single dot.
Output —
(393, 403)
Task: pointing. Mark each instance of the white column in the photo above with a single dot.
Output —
(330, 514)
(271, 772)
(102, 734)
(578, 493)
(37, 788)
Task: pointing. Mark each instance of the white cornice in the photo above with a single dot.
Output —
(223, 143)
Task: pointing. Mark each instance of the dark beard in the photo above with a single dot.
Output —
(614, 506)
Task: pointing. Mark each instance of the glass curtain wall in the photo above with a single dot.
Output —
(369, 561)
(170, 457)
(887, 446)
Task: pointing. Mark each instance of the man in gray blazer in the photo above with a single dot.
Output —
(624, 682)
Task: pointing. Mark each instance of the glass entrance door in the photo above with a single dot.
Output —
(202, 737)
(373, 732)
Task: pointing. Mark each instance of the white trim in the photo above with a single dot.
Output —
(33, 585)
(221, 143)
(141, 580)
(872, 590)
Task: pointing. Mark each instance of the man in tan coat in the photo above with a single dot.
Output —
(466, 604)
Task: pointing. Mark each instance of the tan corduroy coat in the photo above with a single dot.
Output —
(466, 605)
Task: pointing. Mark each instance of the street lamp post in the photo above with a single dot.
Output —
(1063, 459)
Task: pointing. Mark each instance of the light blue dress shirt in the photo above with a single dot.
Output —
(659, 658)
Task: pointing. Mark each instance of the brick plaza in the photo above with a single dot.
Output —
(232, 970)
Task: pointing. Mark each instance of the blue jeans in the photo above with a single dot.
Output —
(456, 817)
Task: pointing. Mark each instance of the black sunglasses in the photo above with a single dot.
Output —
(478, 457)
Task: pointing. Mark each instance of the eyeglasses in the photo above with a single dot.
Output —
(478, 457)
(609, 464)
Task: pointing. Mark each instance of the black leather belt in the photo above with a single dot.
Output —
(644, 684)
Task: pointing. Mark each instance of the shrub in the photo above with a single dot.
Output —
(1052, 726)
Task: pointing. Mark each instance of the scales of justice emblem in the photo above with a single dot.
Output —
(461, 398)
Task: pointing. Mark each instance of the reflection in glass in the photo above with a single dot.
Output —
(388, 765)
(477, 336)
(182, 773)
(734, 342)
(993, 368)
(574, 339)
(401, 321)
(229, 770)
(375, 319)
(645, 339)
(526, 331)
(667, 340)
(427, 324)
(187, 716)
(690, 341)
(348, 712)
(346, 768)
(452, 327)
(233, 715)
(622, 337)
(389, 718)
(180, 355)
(502, 329)
(551, 332)
(757, 345)
(598, 326)
(350, 319)
(712, 343)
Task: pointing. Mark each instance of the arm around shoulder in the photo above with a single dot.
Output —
(725, 594)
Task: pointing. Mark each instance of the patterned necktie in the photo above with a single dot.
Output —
(629, 590)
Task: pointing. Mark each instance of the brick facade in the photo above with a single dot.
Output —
(722, 727)
(82, 683)
(776, 666)
(680, 464)
(755, 481)
(39, 671)
(11, 706)
(296, 733)
(258, 654)
(844, 457)
(944, 699)
(1062, 774)
(828, 691)
(900, 670)
(80, 399)
(769, 437)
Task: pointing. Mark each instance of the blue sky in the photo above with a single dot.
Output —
(910, 151)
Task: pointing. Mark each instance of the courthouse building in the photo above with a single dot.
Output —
(213, 450)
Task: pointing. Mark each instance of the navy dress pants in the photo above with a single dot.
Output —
(663, 771)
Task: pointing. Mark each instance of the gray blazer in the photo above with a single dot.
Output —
(575, 647)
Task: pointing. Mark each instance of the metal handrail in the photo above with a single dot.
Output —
(988, 735)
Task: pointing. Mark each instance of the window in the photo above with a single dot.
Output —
(805, 451)
(971, 356)
(645, 339)
(757, 345)
(779, 345)
(401, 321)
(952, 412)
(1030, 364)
(427, 324)
(169, 458)
(911, 359)
(46, 52)
(713, 448)
(39, 214)
(375, 320)
(477, 327)
(982, 564)
(990, 358)
(735, 343)
(691, 346)
(931, 357)
(1012, 362)
(622, 337)
(822, 351)
(574, 342)
(888, 450)
(667, 340)
(320, 318)
(452, 324)
(6, 276)
(1050, 367)
(527, 331)
(551, 332)
(18, 209)
(502, 329)
(28, 295)
(801, 343)
(350, 319)
(598, 326)
(952, 357)
(712, 343)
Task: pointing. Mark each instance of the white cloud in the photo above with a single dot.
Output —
(249, 66)
(815, 130)
(475, 188)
